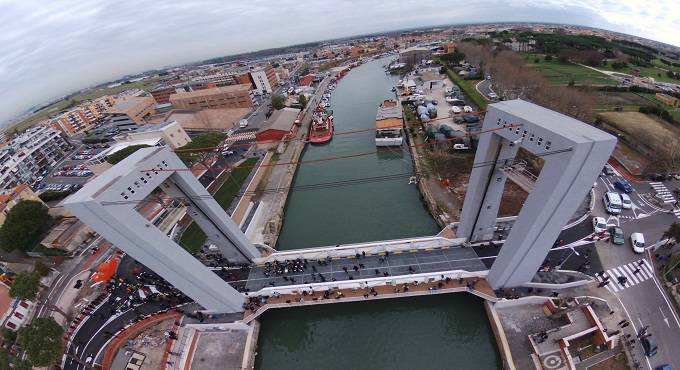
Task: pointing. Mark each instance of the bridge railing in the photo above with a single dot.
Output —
(370, 248)
(368, 282)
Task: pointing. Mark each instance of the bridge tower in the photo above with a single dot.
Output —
(108, 204)
(573, 155)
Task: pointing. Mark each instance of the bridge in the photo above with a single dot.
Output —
(573, 154)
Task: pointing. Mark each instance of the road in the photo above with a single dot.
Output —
(645, 301)
(484, 88)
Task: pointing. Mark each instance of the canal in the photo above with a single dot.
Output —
(434, 332)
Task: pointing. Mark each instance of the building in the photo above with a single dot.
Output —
(668, 100)
(131, 112)
(28, 155)
(261, 81)
(11, 197)
(306, 80)
(83, 117)
(414, 55)
(69, 234)
(171, 133)
(162, 93)
(14, 313)
(282, 124)
(73, 121)
(236, 96)
(203, 120)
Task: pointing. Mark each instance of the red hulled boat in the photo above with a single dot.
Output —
(321, 129)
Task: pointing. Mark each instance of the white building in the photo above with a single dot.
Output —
(171, 133)
(259, 77)
(24, 158)
(14, 312)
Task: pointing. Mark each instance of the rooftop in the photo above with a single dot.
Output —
(282, 119)
(565, 126)
(213, 91)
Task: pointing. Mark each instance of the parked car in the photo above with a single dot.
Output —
(493, 95)
(625, 201)
(617, 237)
(455, 109)
(608, 170)
(467, 109)
(599, 225)
(649, 345)
(623, 185)
(638, 242)
(227, 153)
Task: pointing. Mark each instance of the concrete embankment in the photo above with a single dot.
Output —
(268, 219)
(499, 333)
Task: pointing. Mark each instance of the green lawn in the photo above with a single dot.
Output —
(193, 237)
(561, 73)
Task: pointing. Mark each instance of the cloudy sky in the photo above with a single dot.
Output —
(50, 48)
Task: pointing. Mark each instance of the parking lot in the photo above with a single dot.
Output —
(71, 170)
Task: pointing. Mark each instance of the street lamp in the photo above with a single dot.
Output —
(573, 251)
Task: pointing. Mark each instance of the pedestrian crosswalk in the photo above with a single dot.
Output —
(676, 212)
(635, 273)
(240, 137)
(662, 192)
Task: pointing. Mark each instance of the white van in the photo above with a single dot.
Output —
(243, 123)
(612, 202)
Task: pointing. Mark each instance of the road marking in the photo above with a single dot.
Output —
(626, 270)
(665, 319)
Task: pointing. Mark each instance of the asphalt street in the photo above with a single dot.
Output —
(645, 301)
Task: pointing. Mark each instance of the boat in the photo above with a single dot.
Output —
(389, 122)
(321, 128)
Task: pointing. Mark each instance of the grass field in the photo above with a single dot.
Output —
(193, 237)
(646, 129)
(54, 109)
(561, 73)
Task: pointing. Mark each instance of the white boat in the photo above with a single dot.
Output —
(388, 124)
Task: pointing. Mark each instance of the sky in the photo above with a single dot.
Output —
(52, 48)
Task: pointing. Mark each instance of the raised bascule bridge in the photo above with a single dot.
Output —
(573, 155)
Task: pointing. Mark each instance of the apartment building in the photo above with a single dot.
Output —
(83, 117)
(264, 79)
(11, 197)
(129, 113)
(26, 156)
(235, 96)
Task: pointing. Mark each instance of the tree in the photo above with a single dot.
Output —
(22, 365)
(124, 153)
(41, 268)
(302, 100)
(41, 340)
(25, 286)
(278, 102)
(8, 335)
(4, 359)
(25, 226)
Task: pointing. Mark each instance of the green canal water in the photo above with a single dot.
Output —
(433, 332)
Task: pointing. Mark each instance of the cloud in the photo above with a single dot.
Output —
(50, 48)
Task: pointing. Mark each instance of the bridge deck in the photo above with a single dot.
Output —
(480, 288)
(420, 261)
